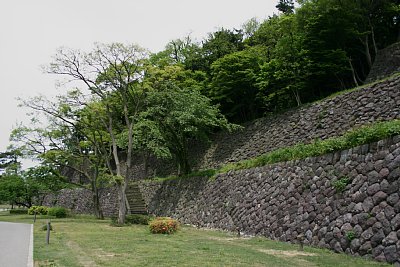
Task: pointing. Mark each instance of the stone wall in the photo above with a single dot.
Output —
(80, 201)
(283, 200)
(387, 62)
(327, 118)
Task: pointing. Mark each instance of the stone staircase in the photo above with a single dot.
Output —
(135, 200)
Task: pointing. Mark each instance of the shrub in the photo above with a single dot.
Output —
(19, 211)
(114, 222)
(44, 227)
(164, 225)
(137, 219)
(42, 210)
(350, 235)
(58, 212)
(341, 184)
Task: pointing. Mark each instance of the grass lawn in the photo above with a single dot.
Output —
(83, 241)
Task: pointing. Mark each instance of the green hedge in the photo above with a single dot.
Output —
(133, 219)
(137, 219)
(58, 212)
(19, 211)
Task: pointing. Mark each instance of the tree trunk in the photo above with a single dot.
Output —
(367, 53)
(353, 73)
(122, 203)
(184, 166)
(373, 37)
(120, 183)
(96, 202)
(296, 96)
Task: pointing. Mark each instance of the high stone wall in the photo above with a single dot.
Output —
(283, 200)
(387, 62)
(327, 118)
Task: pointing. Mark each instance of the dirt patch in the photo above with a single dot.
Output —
(228, 238)
(84, 259)
(286, 253)
(293, 254)
(100, 253)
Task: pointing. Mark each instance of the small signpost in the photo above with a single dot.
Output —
(48, 232)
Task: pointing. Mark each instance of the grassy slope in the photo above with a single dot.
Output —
(85, 241)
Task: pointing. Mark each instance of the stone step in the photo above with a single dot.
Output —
(136, 202)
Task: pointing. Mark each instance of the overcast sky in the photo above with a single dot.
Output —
(31, 31)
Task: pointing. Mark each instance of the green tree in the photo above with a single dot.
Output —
(282, 79)
(23, 188)
(285, 6)
(175, 112)
(233, 84)
(113, 73)
(9, 158)
(221, 43)
(73, 140)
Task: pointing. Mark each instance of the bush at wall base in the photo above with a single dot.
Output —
(39, 210)
(164, 225)
(58, 212)
(137, 219)
(19, 211)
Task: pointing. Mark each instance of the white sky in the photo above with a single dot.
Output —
(30, 32)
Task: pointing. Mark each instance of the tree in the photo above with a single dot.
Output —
(24, 187)
(110, 72)
(233, 84)
(285, 6)
(173, 115)
(282, 79)
(9, 158)
(73, 140)
(221, 43)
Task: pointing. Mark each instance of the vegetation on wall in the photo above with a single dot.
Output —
(356, 137)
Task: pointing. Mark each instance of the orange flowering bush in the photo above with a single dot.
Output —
(164, 225)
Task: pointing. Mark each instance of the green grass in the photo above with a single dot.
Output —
(83, 241)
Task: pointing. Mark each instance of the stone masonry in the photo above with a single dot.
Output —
(283, 200)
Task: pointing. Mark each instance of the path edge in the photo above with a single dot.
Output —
(30, 252)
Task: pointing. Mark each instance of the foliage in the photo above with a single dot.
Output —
(9, 159)
(12, 189)
(131, 219)
(356, 137)
(22, 187)
(18, 211)
(340, 184)
(172, 116)
(164, 225)
(350, 235)
(58, 212)
(220, 43)
(138, 219)
(233, 84)
(285, 6)
(44, 227)
(42, 210)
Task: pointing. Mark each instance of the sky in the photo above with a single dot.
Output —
(31, 31)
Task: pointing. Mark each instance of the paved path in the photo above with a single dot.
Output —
(16, 245)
